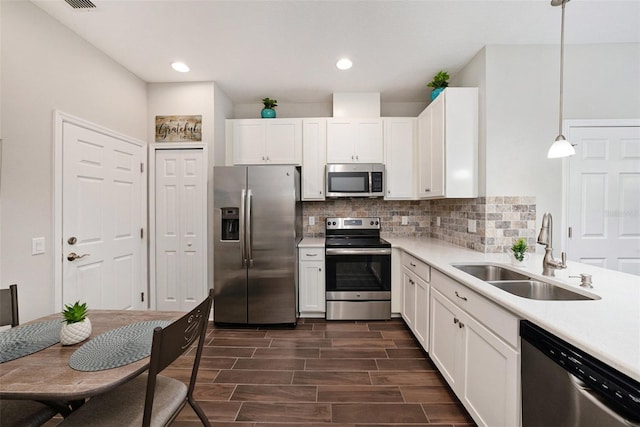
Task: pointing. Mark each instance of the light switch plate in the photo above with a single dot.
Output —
(37, 245)
(472, 226)
(312, 220)
(437, 221)
(405, 220)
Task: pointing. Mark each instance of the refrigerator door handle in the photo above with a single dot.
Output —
(249, 240)
(243, 248)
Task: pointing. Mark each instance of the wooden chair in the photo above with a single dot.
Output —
(152, 399)
(14, 412)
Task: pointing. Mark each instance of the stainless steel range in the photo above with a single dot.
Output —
(358, 270)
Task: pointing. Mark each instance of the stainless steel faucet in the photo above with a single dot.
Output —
(545, 238)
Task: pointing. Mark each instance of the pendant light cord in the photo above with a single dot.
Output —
(564, 2)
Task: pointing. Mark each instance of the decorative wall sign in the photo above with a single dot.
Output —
(178, 128)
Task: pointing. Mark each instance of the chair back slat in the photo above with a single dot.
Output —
(9, 306)
(174, 340)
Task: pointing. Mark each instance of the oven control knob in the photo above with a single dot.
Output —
(371, 223)
(376, 222)
(328, 222)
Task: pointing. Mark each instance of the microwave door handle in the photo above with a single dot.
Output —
(243, 248)
(249, 223)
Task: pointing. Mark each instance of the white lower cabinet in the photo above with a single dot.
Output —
(311, 292)
(474, 343)
(415, 298)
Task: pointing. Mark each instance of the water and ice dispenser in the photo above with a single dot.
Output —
(230, 224)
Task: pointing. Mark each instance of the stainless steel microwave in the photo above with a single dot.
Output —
(355, 180)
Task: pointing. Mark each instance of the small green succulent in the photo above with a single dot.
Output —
(519, 249)
(269, 103)
(441, 79)
(75, 313)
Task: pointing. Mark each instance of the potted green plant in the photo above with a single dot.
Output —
(439, 82)
(519, 251)
(268, 111)
(77, 326)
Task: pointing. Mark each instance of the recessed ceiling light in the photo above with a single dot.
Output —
(344, 64)
(180, 67)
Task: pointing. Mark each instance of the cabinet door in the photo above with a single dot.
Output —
(445, 339)
(284, 141)
(408, 298)
(424, 154)
(341, 136)
(312, 292)
(491, 377)
(249, 139)
(421, 327)
(369, 141)
(314, 148)
(399, 158)
(437, 142)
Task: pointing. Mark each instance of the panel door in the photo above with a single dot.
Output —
(249, 142)
(437, 142)
(369, 142)
(422, 312)
(284, 141)
(312, 291)
(341, 135)
(604, 197)
(102, 220)
(399, 158)
(445, 339)
(491, 389)
(180, 237)
(408, 298)
(314, 152)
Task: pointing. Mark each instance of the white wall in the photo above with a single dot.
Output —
(290, 110)
(520, 111)
(45, 66)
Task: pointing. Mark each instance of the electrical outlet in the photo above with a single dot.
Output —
(405, 220)
(472, 226)
(312, 220)
(437, 221)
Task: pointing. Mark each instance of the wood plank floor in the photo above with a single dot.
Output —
(332, 374)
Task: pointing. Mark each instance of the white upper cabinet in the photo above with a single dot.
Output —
(267, 141)
(448, 145)
(354, 140)
(399, 157)
(314, 149)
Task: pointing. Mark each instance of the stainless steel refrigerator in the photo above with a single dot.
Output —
(257, 228)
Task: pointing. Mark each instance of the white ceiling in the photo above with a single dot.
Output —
(287, 49)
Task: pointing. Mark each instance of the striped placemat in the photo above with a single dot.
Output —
(27, 339)
(117, 347)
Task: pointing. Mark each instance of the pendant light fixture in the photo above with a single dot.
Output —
(561, 147)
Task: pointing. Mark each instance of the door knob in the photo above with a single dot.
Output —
(74, 256)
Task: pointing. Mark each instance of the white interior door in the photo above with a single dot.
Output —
(180, 228)
(604, 197)
(102, 220)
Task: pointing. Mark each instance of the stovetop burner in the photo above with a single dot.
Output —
(354, 233)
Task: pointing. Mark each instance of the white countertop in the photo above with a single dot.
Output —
(607, 328)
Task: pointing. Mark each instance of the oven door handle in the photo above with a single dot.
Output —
(358, 251)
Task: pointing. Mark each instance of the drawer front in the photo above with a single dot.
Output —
(500, 321)
(311, 254)
(418, 267)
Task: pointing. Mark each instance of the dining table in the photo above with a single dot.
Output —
(47, 375)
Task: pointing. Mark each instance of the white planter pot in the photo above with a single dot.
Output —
(73, 333)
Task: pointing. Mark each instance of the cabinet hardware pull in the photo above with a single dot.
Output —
(319, 269)
(462, 298)
(312, 254)
(460, 325)
(427, 189)
(455, 320)
(412, 264)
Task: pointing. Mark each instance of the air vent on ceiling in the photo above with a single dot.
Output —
(81, 4)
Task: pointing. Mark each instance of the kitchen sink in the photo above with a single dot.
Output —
(520, 284)
(534, 289)
(489, 272)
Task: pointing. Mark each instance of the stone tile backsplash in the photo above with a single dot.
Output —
(499, 220)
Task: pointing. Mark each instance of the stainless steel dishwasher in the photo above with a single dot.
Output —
(562, 386)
